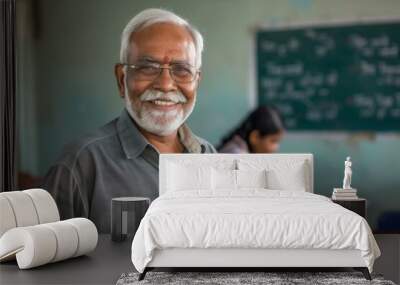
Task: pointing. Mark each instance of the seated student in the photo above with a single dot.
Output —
(157, 78)
(260, 132)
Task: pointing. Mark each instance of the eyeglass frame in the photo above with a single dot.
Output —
(161, 68)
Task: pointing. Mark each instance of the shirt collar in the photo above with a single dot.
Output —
(133, 142)
(189, 140)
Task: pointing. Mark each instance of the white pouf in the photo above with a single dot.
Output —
(45, 205)
(40, 244)
(23, 208)
(33, 246)
(7, 220)
(87, 233)
(66, 237)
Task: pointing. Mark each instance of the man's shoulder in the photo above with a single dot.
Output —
(209, 148)
(87, 143)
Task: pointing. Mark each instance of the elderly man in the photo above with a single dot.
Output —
(157, 77)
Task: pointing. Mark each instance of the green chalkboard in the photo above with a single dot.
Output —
(337, 77)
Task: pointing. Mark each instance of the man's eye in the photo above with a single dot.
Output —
(147, 69)
(181, 70)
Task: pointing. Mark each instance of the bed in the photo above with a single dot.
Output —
(245, 211)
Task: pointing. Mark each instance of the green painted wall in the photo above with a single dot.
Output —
(77, 44)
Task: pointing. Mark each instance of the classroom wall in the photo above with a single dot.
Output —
(76, 44)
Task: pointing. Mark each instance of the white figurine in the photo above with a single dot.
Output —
(347, 173)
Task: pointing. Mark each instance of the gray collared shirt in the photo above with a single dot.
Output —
(114, 161)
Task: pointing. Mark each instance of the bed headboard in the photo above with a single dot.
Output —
(224, 158)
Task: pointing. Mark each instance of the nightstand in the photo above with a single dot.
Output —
(358, 206)
(126, 214)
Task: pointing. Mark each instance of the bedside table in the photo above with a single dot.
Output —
(358, 206)
(126, 214)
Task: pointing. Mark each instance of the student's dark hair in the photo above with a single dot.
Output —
(266, 120)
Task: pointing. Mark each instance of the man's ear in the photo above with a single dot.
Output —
(120, 77)
(198, 79)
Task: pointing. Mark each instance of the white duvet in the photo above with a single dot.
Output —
(251, 218)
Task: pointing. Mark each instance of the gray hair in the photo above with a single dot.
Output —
(152, 16)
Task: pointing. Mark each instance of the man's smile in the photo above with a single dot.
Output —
(164, 105)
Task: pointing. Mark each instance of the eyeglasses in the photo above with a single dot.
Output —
(179, 72)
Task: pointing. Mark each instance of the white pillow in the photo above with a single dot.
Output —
(199, 160)
(234, 179)
(292, 179)
(224, 179)
(282, 174)
(181, 178)
(251, 178)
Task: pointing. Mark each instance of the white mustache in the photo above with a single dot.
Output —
(150, 95)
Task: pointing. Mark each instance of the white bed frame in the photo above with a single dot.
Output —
(245, 257)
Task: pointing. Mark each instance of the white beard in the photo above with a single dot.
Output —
(154, 121)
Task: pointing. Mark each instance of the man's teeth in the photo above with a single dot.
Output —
(163, 102)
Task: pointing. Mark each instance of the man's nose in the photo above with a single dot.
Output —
(165, 82)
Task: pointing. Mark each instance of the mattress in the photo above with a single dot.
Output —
(253, 219)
